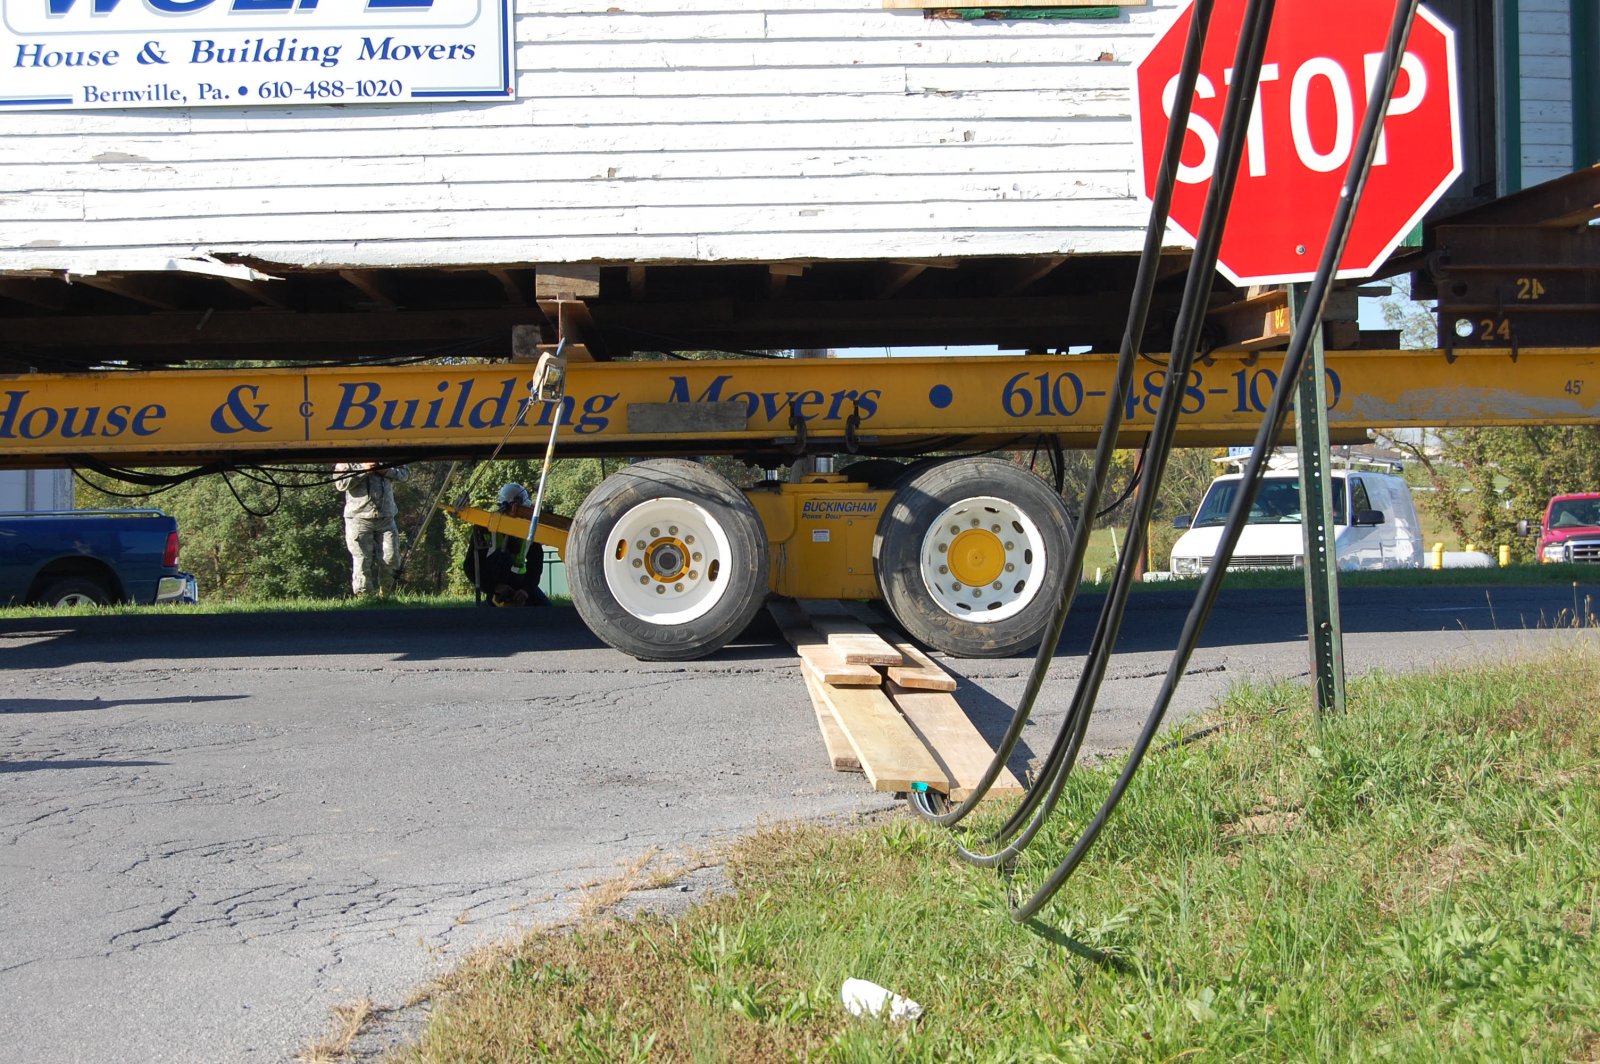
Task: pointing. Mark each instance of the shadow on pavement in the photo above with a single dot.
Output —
(37, 766)
(78, 705)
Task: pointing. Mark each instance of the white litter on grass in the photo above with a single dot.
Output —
(864, 998)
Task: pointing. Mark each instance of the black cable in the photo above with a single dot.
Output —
(1133, 484)
(1037, 804)
(1132, 340)
(1255, 28)
(1266, 438)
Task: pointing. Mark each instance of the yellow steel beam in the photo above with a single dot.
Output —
(638, 408)
(553, 529)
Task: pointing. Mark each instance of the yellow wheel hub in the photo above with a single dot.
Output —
(977, 557)
(667, 559)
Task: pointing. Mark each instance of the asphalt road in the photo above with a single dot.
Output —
(215, 829)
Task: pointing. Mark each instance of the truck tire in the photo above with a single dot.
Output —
(74, 591)
(971, 556)
(667, 561)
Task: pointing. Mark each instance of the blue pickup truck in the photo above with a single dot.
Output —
(82, 557)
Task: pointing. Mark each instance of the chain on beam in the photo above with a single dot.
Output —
(640, 408)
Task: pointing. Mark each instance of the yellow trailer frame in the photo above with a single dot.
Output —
(760, 407)
(665, 558)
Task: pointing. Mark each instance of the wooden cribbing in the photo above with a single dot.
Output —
(920, 671)
(858, 643)
(840, 756)
(961, 752)
(814, 649)
(890, 753)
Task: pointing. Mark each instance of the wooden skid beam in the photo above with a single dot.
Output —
(890, 753)
(961, 752)
(840, 755)
(921, 672)
(856, 641)
(829, 665)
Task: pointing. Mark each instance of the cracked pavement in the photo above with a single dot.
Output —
(214, 829)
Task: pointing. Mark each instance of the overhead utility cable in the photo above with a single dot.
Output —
(1266, 437)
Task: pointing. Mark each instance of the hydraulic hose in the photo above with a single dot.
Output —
(1132, 340)
(1041, 800)
(1266, 437)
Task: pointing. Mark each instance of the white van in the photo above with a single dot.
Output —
(1375, 524)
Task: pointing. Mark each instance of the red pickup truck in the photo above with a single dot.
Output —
(1570, 531)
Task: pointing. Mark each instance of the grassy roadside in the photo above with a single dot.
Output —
(1418, 880)
(213, 607)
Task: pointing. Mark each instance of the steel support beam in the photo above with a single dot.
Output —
(865, 405)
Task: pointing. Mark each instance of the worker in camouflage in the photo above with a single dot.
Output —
(369, 526)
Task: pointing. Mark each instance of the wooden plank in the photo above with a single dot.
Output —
(837, 620)
(960, 751)
(815, 652)
(840, 756)
(829, 666)
(856, 641)
(921, 672)
(890, 753)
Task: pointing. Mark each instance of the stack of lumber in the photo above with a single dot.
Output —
(885, 708)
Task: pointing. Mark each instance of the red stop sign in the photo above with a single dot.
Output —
(1319, 68)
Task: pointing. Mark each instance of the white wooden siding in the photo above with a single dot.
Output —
(1545, 33)
(674, 130)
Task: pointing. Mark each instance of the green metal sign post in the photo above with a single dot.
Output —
(1316, 509)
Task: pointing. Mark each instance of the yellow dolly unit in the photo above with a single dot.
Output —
(667, 559)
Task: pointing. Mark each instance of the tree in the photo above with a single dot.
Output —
(246, 535)
(1484, 480)
(279, 533)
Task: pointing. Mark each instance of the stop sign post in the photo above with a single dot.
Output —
(1319, 70)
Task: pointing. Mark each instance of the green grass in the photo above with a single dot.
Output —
(1416, 880)
(402, 600)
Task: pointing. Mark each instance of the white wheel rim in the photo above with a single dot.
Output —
(983, 559)
(666, 561)
(77, 598)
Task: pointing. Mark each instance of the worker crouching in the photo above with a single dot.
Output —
(506, 570)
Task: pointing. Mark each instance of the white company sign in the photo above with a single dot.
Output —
(196, 53)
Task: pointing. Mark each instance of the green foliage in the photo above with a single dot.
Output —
(256, 536)
(1484, 480)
